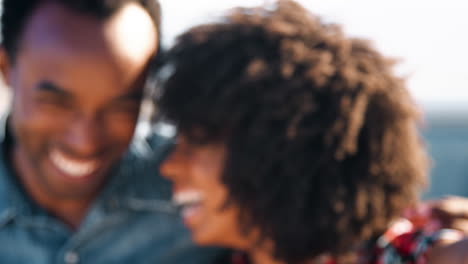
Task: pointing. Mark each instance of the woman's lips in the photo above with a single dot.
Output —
(189, 202)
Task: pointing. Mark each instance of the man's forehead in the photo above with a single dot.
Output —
(128, 33)
(132, 32)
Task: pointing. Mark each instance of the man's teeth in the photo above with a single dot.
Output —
(183, 198)
(73, 168)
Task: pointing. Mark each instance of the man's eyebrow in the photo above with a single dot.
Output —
(48, 86)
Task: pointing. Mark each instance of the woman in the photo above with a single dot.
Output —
(295, 142)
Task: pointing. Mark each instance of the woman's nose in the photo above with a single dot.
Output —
(173, 165)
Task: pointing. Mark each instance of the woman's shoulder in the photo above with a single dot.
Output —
(453, 253)
(232, 257)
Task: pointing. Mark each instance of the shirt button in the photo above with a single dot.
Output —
(71, 257)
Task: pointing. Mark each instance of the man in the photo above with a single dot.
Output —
(68, 194)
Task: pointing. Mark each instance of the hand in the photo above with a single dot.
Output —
(451, 212)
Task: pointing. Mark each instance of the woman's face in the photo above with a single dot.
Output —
(195, 171)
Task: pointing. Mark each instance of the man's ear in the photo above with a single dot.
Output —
(5, 65)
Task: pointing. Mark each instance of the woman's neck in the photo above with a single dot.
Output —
(258, 256)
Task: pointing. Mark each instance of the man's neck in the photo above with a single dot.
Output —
(70, 211)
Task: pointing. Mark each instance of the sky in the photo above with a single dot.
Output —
(429, 38)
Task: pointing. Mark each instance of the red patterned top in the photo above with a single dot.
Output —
(405, 242)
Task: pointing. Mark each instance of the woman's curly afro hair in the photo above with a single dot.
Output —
(322, 140)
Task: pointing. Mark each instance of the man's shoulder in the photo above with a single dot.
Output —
(5, 191)
(139, 170)
(152, 142)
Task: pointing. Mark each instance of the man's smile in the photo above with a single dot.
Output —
(73, 167)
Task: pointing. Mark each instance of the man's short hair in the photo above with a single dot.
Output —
(15, 14)
(323, 148)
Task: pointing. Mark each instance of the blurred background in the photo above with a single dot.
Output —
(428, 37)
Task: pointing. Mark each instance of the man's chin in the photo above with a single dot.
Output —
(74, 191)
(64, 185)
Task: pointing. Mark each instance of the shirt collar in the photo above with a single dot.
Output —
(3, 126)
(11, 199)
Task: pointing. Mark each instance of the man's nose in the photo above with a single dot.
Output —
(84, 137)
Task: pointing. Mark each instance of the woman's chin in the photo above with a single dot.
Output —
(226, 241)
(206, 242)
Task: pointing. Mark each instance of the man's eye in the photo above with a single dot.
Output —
(124, 110)
(50, 101)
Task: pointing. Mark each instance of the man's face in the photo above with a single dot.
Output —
(77, 86)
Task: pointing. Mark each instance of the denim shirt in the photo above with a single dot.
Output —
(132, 221)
